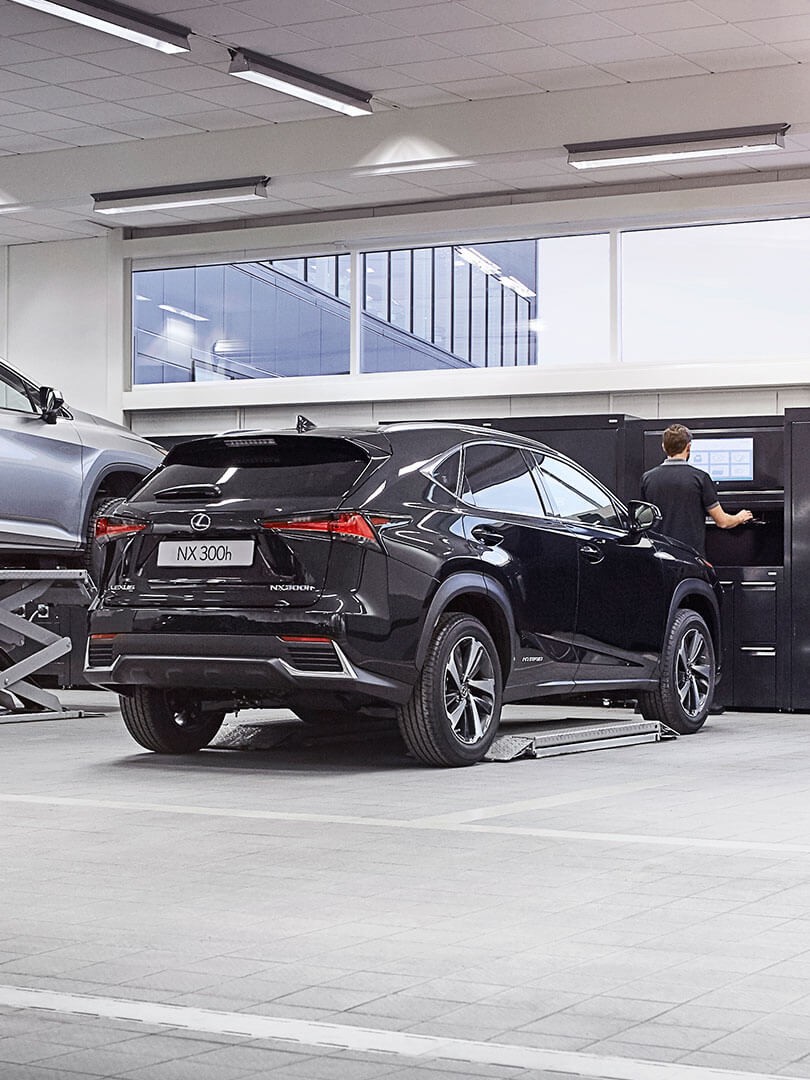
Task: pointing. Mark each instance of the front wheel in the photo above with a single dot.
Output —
(688, 674)
(454, 712)
(169, 722)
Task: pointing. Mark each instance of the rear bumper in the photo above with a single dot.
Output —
(248, 665)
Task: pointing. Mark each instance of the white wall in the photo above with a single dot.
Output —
(64, 323)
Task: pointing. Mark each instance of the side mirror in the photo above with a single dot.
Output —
(643, 516)
(50, 402)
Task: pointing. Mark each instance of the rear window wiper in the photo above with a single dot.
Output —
(190, 491)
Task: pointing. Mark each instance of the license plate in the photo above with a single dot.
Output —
(205, 553)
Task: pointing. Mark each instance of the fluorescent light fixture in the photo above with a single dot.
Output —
(428, 165)
(120, 21)
(180, 311)
(517, 286)
(287, 79)
(690, 145)
(479, 261)
(136, 200)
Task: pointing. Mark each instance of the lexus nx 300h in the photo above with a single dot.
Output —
(431, 571)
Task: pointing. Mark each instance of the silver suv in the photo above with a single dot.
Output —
(59, 466)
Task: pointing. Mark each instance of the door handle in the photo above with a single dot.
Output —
(487, 535)
(592, 554)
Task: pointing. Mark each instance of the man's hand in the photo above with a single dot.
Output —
(743, 516)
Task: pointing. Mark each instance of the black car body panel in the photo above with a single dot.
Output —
(312, 568)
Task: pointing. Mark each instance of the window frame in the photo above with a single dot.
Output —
(543, 514)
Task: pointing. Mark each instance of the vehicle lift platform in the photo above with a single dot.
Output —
(20, 699)
(552, 738)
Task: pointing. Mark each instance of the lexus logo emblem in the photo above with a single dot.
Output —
(200, 522)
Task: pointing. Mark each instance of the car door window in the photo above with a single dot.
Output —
(574, 495)
(12, 393)
(497, 477)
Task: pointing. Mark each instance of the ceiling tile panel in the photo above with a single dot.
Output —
(418, 96)
(59, 70)
(374, 7)
(513, 11)
(283, 110)
(753, 56)
(22, 20)
(572, 78)
(401, 51)
(14, 51)
(291, 12)
(741, 10)
(190, 77)
(324, 61)
(441, 17)
(572, 28)
(35, 122)
(707, 37)
(103, 113)
(218, 19)
(67, 40)
(674, 16)
(154, 127)
(131, 60)
(796, 50)
(615, 50)
(88, 135)
(170, 104)
(50, 97)
(376, 80)
(495, 86)
(354, 29)
(521, 61)
(660, 67)
(449, 70)
(775, 30)
(117, 88)
(10, 80)
(29, 143)
(221, 120)
(490, 39)
(273, 40)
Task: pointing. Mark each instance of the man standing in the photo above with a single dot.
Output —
(684, 494)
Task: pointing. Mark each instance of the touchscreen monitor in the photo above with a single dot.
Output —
(726, 459)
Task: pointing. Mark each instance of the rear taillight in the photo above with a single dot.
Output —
(111, 528)
(348, 526)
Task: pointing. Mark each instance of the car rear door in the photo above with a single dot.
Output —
(40, 496)
(622, 604)
(532, 554)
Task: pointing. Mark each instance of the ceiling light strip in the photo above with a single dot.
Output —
(266, 71)
(693, 145)
(120, 21)
(247, 189)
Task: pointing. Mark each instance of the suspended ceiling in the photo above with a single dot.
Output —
(472, 98)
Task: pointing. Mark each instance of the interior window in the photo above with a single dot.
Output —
(497, 477)
(12, 393)
(575, 495)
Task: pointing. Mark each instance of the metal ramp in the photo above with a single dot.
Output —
(20, 699)
(548, 740)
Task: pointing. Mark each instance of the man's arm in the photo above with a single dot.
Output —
(728, 521)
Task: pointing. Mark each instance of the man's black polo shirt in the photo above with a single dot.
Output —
(683, 494)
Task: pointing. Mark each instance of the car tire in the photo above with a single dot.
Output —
(454, 712)
(168, 722)
(688, 671)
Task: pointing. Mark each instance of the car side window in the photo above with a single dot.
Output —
(446, 472)
(574, 495)
(12, 393)
(497, 477)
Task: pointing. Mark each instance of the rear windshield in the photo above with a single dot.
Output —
(244, 468)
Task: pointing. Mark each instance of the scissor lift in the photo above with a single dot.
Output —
(21, 699)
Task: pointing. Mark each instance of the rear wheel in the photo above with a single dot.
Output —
(93, 556)
(688, 672)
(454, 712)
(168, 721)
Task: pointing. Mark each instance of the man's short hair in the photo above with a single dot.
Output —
(676, 439)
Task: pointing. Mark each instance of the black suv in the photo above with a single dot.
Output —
(432, 571)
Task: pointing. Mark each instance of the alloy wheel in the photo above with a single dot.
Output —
(469, 690)
(693, 672)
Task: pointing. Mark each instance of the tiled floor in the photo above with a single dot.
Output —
(579, 916)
